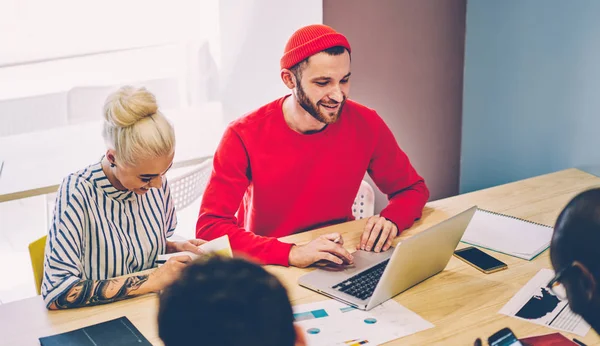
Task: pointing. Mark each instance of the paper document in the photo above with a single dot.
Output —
(219, 246)
(506, 234)
(536, 304)
(333, 323)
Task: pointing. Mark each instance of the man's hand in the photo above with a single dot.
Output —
(377, 227)
(188, 245)
(327, 247)
(168, 272)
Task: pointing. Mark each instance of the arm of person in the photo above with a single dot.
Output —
(223, 195)
(94, 292)
(407, 193)
(63, 284)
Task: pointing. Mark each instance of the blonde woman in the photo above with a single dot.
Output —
(113, 218)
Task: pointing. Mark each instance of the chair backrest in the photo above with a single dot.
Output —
(36, 253)
(33, 113)
(86, 103)
(166, 91)
(364, 203)
(50, 206)
(186, 188)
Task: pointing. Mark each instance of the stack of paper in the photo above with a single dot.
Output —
(219, 246)
(506, 234)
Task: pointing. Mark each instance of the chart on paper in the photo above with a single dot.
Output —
(333, 323)
(536, 304)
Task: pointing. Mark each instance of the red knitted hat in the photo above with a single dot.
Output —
(311, 40)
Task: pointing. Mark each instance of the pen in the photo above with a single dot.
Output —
(579, 342)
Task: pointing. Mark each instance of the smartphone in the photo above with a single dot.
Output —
(480, 260)
(504, 337)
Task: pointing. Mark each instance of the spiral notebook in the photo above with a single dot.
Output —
(507, 234)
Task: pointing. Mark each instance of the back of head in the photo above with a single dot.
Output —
(134, 127)
(577, 232)
(226, 302)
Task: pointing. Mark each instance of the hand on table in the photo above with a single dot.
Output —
(377, 227)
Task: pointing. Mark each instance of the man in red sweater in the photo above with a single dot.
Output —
(296, 164)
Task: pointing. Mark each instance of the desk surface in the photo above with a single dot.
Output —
(461, 302)
(35, 163)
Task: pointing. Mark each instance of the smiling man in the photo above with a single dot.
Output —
(296, 164)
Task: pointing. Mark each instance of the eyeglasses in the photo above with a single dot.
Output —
(556, 287)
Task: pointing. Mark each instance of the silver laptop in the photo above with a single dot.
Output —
(377, 277)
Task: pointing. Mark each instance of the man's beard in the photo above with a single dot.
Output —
(313, 109)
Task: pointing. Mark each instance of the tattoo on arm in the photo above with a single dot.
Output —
(94, 292)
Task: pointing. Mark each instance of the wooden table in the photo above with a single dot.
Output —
(35, 163)
(461, 302)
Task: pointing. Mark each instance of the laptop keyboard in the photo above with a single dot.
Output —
(362, 284)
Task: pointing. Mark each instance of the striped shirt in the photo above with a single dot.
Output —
(99, 232)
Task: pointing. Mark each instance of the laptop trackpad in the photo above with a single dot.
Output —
(362, 261)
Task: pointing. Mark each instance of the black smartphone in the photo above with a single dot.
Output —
(480, 260)
(504, 337)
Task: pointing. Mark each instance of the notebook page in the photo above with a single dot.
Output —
(505, 234)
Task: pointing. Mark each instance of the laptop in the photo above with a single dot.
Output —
(377, 277)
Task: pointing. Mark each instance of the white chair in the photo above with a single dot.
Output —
(188, 187)
(33, 113)
(364, 203)
(86, 103)
(166, 91)
(50, 206)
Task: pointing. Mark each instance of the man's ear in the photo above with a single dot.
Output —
(288, 78)
(587, 282)
(300, 337)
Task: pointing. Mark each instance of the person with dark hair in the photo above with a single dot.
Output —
(297, 163)
(576, 258)
(227, 302)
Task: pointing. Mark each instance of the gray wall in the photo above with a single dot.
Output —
(531, 103)
(407, 63)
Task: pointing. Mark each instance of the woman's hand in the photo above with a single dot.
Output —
(188, 245)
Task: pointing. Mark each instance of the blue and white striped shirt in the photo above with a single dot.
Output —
(99, 232)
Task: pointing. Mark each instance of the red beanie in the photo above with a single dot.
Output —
(311, 40)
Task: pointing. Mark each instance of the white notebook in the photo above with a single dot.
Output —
(507, 234)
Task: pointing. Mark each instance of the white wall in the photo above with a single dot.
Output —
(34, 30)
(253, 36)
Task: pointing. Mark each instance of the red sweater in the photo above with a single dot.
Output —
(269, 181)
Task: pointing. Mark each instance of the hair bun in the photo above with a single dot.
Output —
(129, 105)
